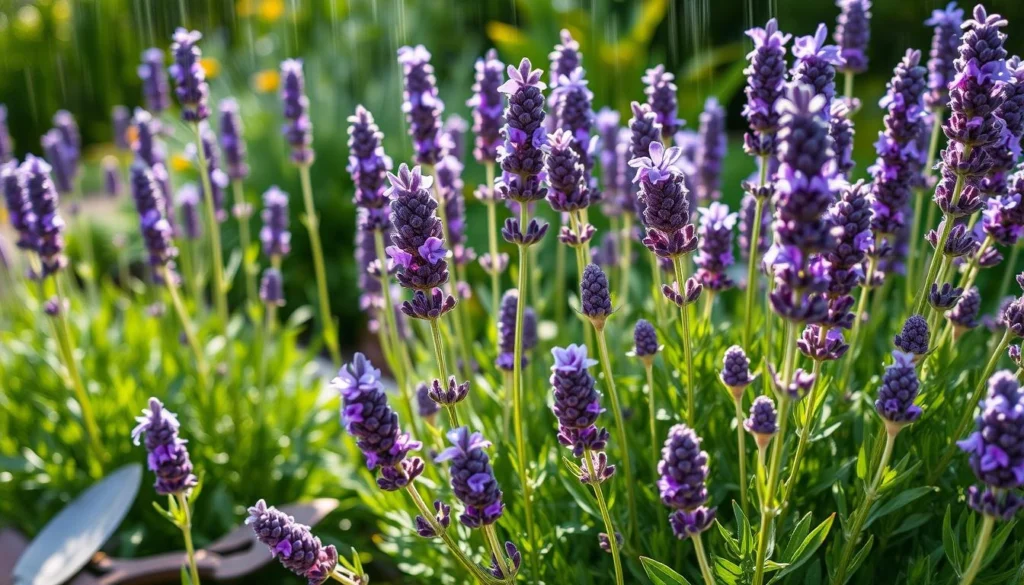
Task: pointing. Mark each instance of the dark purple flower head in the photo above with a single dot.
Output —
(47, 225)
(714, 257)
(595, 298)
(473, 480)
(577, 403)
(147, 144)
(425, 405)
(661, 91)
(965, 314)
(945, 42)
(565, 58)
(168, 455)
(840, 128)
(662, 189)
(816, 65)
(61, 159)
(644, 130)
(218, 178)
(367, 162)
(277, 240)
(521, 156)
(19, 206)
(189, 76)
(422, 107)
(821, 343)
(996, 448)
(156, 92)
(297, 130)
(232, 141)
(574, 112)
(371, 421)
(683, 470)
(152, 209)
(488, 107)
(189, 199)
(687, 295)
(272, 287)
(853, 31)
(507, 330)
(1011, 316)
(418, 249)
(449, 394)
(895, 402)
(1003, 219)
(530, 338)
(292, 543)
(944, 297)
(645, 340)
(798, 386)
(568, 191)
(70, 140)
(710, 151)
(766, 77)
(686, 523)
(763, 421)
(735, 372)
(914, 337)
(513, 233)
(442, 517)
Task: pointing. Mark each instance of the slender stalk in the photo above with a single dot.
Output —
(492, 241)
(186, 531)
(244, 238)
(984, 538)
(687, 350)
(91, 275)
(702, 560)
(1008, 271)
(810, 414)
(933, 268)
(659, 300)
(190, 330)
(625, 258)
(342, 578)
(968, 407)
(775, 465)
(752, 254)
(491, 537)
(742, 453)
(559, 292)
(915, 237)
(517, 397)
(313, 226)
(860, 516)
(848, 85)
(620, 427)
(608, 526)
(220, 290)
(652, 412)
(400, 353)
(858, 319)
(442, 368)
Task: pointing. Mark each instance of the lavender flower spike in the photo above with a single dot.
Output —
(121, 120)
(816, 65)
(577, 403)
(188, 200)
(853, 31)
(715, 255)
(168, 456)
(297, 130)
(661, 91)
(735, 374)
(683, 471)
(368, 165)
(272, 287)
(156, 93)
(945, 42)
(19, 206)
(277, 240)
(189, 76)
(664, 194)
(47, 225)
(521, 156)
(488, 107)
(565, 174)
(232, 142)
(292, 543)
(507, 331)
(645, 341)
(710, 151)
(895, 403)
(595, 298)
(152, 209)
(766, 77)
(763, 421)
(473, 478)
(422, 107)
(368, 417)
(914, 337)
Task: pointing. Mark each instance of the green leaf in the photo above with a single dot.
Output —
(860, 557)
(951, 542)
(796, 538)
(660, 574)
(731, 543)
(577, 492)
(900, 501)
(808, 546)
(746, 537)
(862, 463)
(232, 268)
(185, 580)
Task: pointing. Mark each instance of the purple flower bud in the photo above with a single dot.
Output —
(488, 107)
(686, 523)
(368, 417)
(514, 556)
(645, 340)
(715, 255)
(735, 374)
(688, 295)
(507, 330)
(945, 42)
(798, 387)
(766, 76)
(520, 156)
(1012, 316)
(577, 403)
(111, 177)
(914, 337)
(841, 130)
(565, 58)
(189, 76)
(218, 178)
(595, 299)
(428, 305)
(367, 162)
(297, 130)
(47, 226)
(944, 297)
(449, 395)
(996, 448)
(661, 91)
(442, 517)
(816, 65)
(152, 209)
(683, 470)
(168, 455)
(605, 543)
(416, 225)
(232, 141)
(763, 419)
(292, 543)
(422, 107)
(156, 92)
(188, 200)
(426, 406)
(853, 31)
(61, 159)
(513, 234)
(473, 480)
(965, 314)
(565, 174)
(895, 402)
(663, 192)
(274, 234)
(710, 151)
(272, 287)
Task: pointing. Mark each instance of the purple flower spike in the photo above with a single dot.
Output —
(763, 421)
(292, 543)
(853, 31)
(945, 42)
(368, 417)
(574, 112)
(565, 174)
(507, 331)
(442, 517)
(565, 58)
(19, 206)
(47, 225)
(661, 91)
(914, 337)
(473, 480)
(297, 130)
(218, 178)
(232, 141)
(272, 288)
(417, 230)
(521, 156)
(61, 161)
(168, 455)
(683, 470)
(595, 298)
(488, 107)
(735, 372)
(964, 315)
(156, 92)
(840, 128)
(896, 395)
(686, 523)
(996, 448)
(715, 254)
(645, 341)
(188, 200)
(577, 402)
(451, 394)
(276, 239)
(152, 209)
(766, 77)
(189, 76)
(121, 120)
(710, 151)
(816, 65)
(422, 107)
(368, 165)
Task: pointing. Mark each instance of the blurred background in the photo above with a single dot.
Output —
(82, 55)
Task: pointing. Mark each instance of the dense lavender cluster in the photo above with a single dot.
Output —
(292, 543)
(850, 218)
(763, 421)
(189, 76)
(274, 235)
(218, 178)
(152, 209)
(714, 256)
(895, 402)
(567, 191)
(565, 58)
(853, 31)
(661, 91)
(168, 455)
(577, 402)
(735, 374)
(816, 65)
(683, 471)
(422, 107)
(710, 151)
(232, 141)
(645, 340)
(507, 331)
(473, 480)
(156, 93)
(945, 42)
(595, 298)
(368, 417)
(574, 113)
(297, 130)
(19, 206)
(488, 107)
(766, 78)
(666, 208)
(418, 249)
(47, 225)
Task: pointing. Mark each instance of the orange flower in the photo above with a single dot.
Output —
(266, 81)
(211, 66)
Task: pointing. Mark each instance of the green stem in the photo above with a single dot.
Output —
(652, 412)
(620, 427)
(984, 538)
(244, 238)
(492, 241)
(313, 225)
(848, 86)
(742, 453)
(858, 320)
(442, 368)
(702, 560)
(805, 437)
(342, 578)
(687, 350)
(220, 290)
(919, 204)
(753, 253)
(491, 537)
(190, 330)
(186, 531)
(400, 352)
(969, 406)
(608, 526)
(861, 514)
(625, 259)
(659, 298)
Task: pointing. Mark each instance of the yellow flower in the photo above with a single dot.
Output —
(271, 10)
(179, 163)
(266, 81)
(211, 66)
